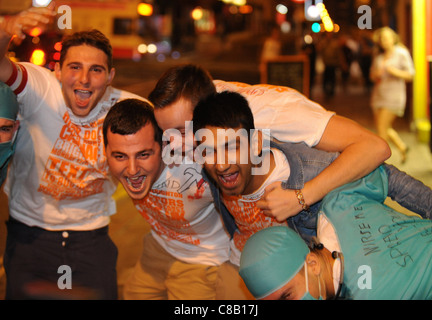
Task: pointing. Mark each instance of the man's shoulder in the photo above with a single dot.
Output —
(120, 94)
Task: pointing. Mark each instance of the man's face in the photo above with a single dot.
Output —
(135, 160)
(226, 162)
(293, 290)
(7, 129)
(174, 116)
(84, 77)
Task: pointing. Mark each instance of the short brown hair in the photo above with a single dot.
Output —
(93, 38)
(185, 81)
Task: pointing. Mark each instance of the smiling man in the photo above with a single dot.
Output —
(228, 162)
(58, 185)
(187, 244)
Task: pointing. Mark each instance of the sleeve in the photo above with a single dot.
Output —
(290, 116)
(18, 79)
(31, 84)
(407, 62)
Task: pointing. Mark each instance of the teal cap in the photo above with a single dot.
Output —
(8, 103)
(270, 259)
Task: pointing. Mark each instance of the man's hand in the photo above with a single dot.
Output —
(26, 20)
(278, 202)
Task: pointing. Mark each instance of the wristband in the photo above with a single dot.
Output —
(301, 200)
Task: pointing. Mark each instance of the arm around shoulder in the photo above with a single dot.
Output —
(361, 151)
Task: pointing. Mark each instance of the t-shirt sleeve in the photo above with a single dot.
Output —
(289, 115)
(31, 84)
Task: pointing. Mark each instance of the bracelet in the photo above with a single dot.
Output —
(301, 200)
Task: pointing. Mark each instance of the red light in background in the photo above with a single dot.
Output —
(58, 46)
(35, 32)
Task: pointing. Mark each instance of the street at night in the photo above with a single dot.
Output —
(233, 54)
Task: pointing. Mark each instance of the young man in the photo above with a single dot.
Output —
(58, 185)
(8, 128)
(291, 118)
(365, 251)
(223, 125)
(187, 244)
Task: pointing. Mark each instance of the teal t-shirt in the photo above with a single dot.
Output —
(387, 254)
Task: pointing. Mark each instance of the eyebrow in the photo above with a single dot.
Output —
(92, 66)
(226, 144)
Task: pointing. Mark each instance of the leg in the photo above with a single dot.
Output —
(187, 281)
(384, 121)
(409, 192)
(394, 136)
(230, 285)
(147, 282)
(35, 262)
(92, 256)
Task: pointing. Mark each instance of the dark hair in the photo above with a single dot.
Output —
(128, 117)
(185, 81)
(93, 38)
(225, 110)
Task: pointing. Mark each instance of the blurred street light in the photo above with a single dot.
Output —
(145, 9)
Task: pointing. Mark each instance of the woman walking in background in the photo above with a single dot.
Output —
(392, 67)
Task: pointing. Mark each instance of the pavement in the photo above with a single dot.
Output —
(127, 227)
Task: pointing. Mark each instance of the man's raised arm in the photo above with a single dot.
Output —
(18, 25)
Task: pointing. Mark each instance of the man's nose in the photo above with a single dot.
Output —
(132, 168)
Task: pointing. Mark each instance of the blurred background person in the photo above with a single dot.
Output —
(272, 47)
(333, 59)
(391, 68)
(364, 57)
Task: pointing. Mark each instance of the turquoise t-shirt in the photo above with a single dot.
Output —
(388, 255)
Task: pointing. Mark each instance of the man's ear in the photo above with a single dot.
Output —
(313, 263)
(57, 71)
(256, 143)
(111, 75)
(260, 142)
(16, 125)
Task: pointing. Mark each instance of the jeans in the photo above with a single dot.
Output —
(409, 192)
(43, 264)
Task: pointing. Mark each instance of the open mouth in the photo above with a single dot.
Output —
(228, 180)
(136, 184)
(82, 96)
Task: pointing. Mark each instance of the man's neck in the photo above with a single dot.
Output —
(258, 180)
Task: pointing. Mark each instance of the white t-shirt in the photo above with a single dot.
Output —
(248, 217)
(289, 115)
(59, 174)
(184, 221)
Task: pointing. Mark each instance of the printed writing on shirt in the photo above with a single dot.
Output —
(249, 219)
(76, 167)
(390, 237)
(164, 206)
